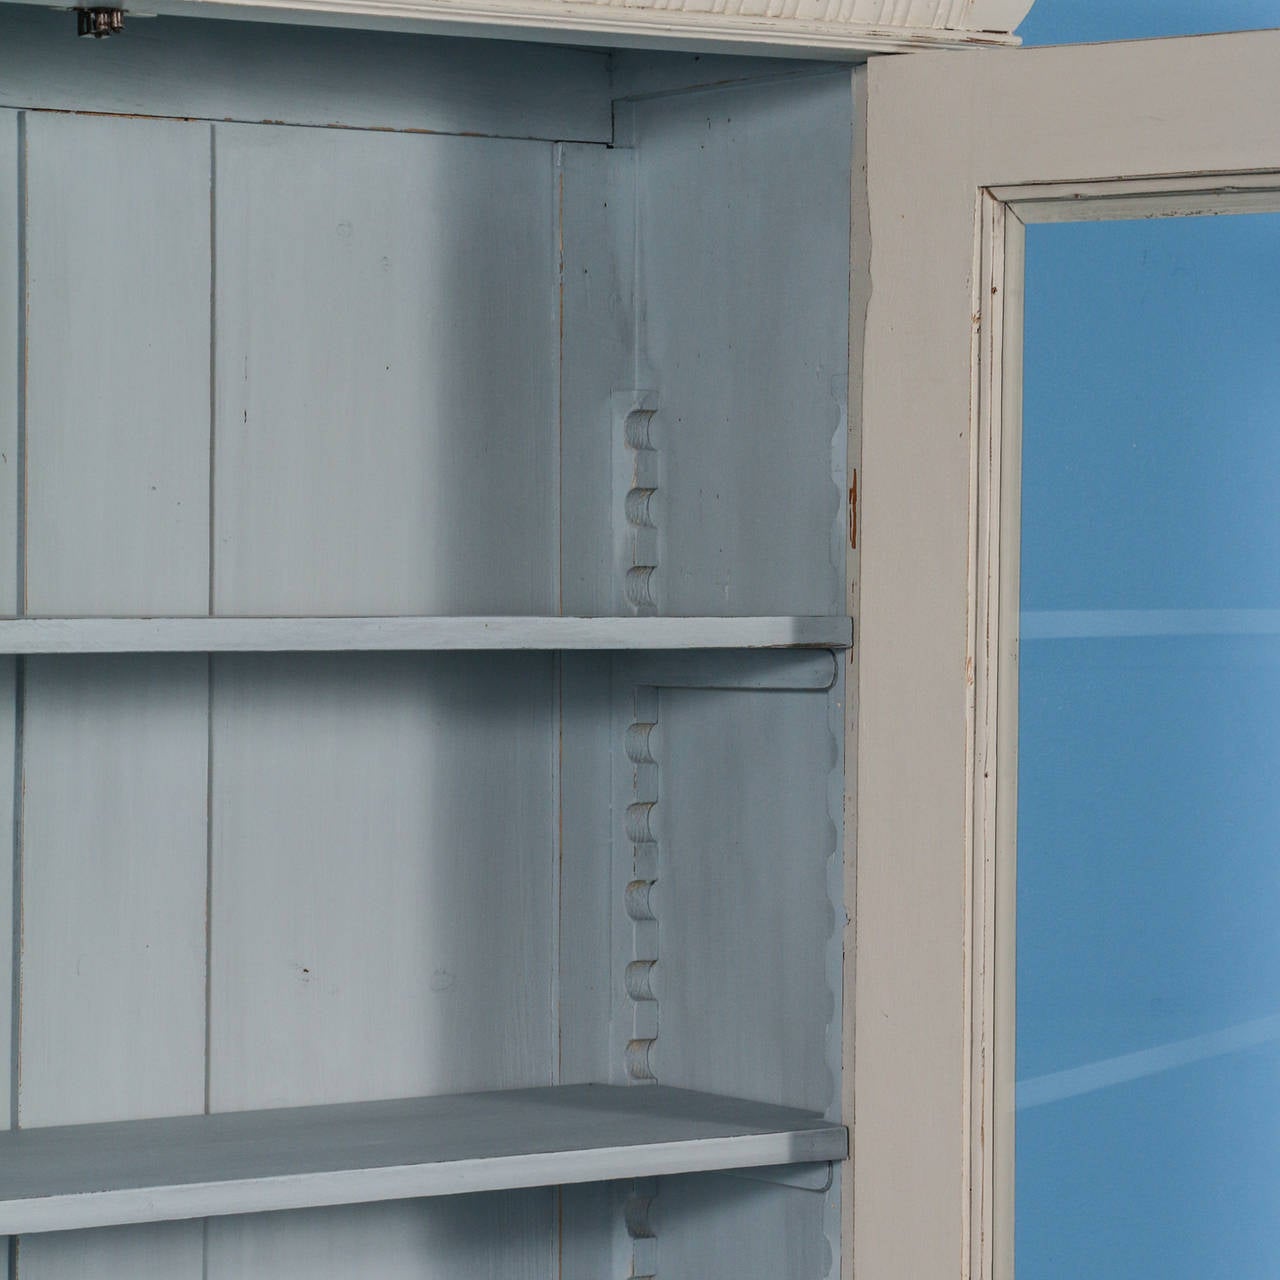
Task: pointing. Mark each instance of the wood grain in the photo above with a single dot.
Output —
(383, 889)
(85, 1175)
(117, 403)
(386, 374)
(260, 635)
(113, 917)
(294, 74)
(746, 336)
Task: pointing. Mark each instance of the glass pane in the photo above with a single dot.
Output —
(1148, 901)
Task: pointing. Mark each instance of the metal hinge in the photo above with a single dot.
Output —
(99, 22)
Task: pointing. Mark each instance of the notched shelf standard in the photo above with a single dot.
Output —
(78, 1176)
(261, 635)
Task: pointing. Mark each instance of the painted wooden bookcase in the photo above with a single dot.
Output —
(426, 568)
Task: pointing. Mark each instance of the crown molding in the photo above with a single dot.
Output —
(844, 29)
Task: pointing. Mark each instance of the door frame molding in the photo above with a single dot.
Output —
(957, 155)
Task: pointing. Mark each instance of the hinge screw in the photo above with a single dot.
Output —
(99, 22)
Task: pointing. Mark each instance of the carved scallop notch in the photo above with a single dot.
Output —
(640, 979)
(638, 498)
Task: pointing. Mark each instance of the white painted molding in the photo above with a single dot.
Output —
(822, 28)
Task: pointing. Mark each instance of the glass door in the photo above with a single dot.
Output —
(1148, 827)
(1065, 917)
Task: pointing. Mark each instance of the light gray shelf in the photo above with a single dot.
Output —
(260, 635)
(77, 1176)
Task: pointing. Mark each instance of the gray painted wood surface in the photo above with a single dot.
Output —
(388, 634)
(381, 907)
(225, 70)
(597, 361)
(414, 857)
(117, 352)
(386, 374)
(113, 916)
(9, 919)
(12, 348)
(151, 1170)
(745, 335)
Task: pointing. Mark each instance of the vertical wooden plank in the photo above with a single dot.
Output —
(113, 931)
(12, 348)
(8, 917)
(597, 213)
(381, 914)
(11, 363)
(586, 882)
(118, 366)
(387, 351)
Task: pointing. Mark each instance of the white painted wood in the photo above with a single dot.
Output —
(113, 917)
(1163, 197)
(383, 887)
(298, 74)
(750, 366)
(387, 345)
(810, 26)
(1071, 121)
(249, 635)
(117, 373)
(151, 1170)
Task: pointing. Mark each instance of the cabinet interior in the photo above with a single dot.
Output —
(312, 323)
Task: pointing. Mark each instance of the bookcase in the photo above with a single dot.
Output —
(426, 564)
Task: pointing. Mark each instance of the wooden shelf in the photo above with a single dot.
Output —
(77, 1176)
(262, 635)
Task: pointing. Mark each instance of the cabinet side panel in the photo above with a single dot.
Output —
(743, 198)
(744, 997)
(117, 404)
(387, 351)
(712, 1225)
(382, 925)
(113, 922)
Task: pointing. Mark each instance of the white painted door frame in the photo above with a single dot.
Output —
(959, 153)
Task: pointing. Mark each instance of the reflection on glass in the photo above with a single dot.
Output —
(1148, 901)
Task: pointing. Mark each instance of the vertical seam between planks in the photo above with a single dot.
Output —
(208, 889)
(557, 861)
(20, 459)
(208, 800)
(213, 352)
(15, 1006)
(557, 173)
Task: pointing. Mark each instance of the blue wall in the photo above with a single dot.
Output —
(1076, 21)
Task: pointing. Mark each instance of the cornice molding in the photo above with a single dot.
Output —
(822, 28)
